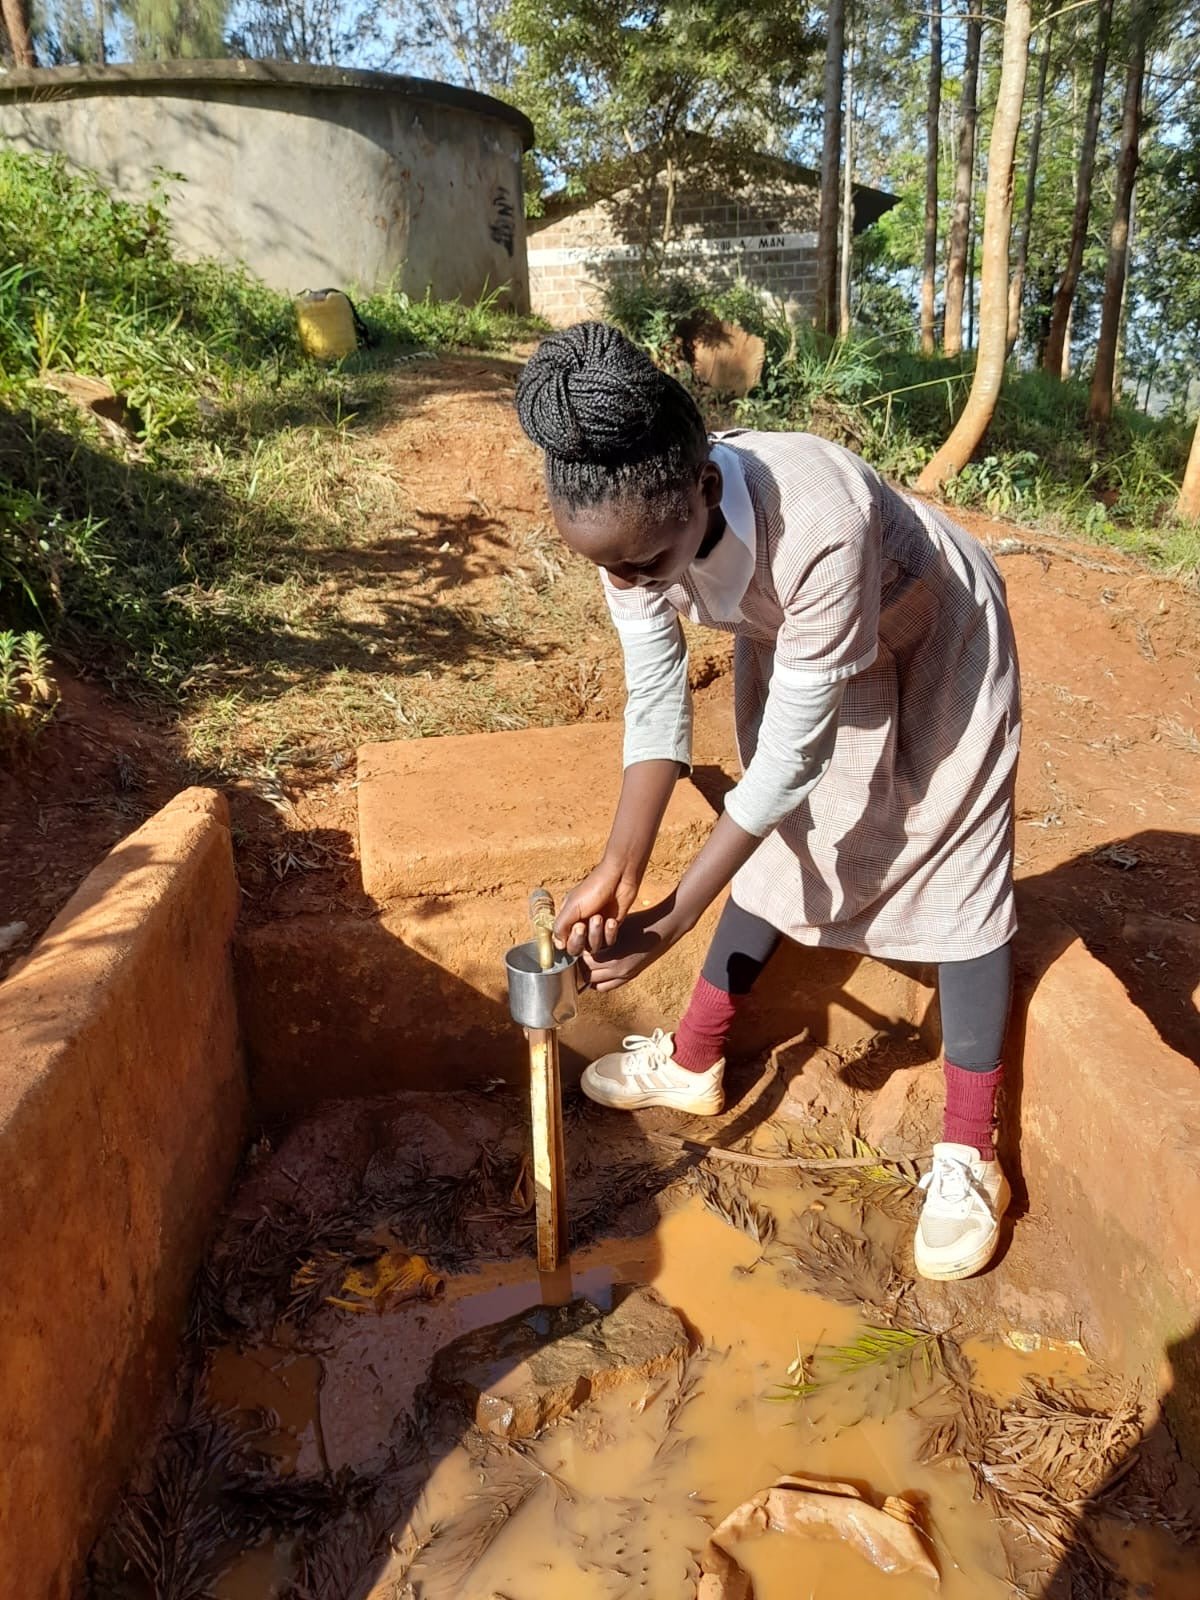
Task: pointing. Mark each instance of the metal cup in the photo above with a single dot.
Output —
(537, 998)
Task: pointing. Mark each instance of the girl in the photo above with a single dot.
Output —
(878, 722)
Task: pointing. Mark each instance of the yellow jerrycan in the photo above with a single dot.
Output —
(327, 323)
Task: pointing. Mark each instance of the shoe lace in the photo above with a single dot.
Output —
(647, 1050)
(953, 1188)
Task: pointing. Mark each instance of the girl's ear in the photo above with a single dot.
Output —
(711, 484)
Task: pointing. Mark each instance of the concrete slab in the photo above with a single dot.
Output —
(481, 813)
(122, 1111)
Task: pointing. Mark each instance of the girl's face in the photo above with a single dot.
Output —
(641, 553)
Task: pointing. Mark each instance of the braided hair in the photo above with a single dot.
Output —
(612, 425)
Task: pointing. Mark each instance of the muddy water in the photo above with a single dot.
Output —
(262, 1574)
(279, 1381)
(634, 1494)
(622, 1498)
(1149, 1561)
(1001, 1366)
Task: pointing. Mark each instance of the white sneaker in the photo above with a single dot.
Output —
(965, 1200)
(644, 1072)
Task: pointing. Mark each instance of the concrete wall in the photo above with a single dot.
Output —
(1109, 1125)
(122, 1112)
(314, 177)
(764, 234)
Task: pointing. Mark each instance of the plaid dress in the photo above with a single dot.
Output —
(903, 849)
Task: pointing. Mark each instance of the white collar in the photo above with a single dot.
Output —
(723, 576)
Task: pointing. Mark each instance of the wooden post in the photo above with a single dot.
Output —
(545, 1096)
(549, 1151)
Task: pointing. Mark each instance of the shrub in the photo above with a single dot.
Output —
(28, 695)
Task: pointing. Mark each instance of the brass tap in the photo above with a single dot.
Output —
(541, 915)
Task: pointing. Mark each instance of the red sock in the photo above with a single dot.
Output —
(971, 1108)
(704, 1027)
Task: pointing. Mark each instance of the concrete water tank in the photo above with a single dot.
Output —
(313, 176)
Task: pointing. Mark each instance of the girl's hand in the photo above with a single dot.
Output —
(641, 940)
(592, 914)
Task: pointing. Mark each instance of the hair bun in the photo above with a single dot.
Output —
(590, 395)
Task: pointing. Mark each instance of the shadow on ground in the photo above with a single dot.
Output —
(127, 558)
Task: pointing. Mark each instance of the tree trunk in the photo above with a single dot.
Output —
(1123, 318)
(1100, 403)
(1188, 504)
(997, 235)
(847, 246)
(1064, 372)
(933, 114)
(969, 291)
(831, 151)
(1151, 374)
(20, 38)
(668, 226)
(1054, 358)
(964, 177)
(1044, 283)
(1017, 287)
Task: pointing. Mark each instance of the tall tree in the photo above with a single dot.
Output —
(72, 30)
(1016, 289)
(463, 41)
(847, 230)
(997, 236)
(933, 114)
(1160, 347)
(1100, 401)
(1188, 504)
(616, 97)
(1054, 352)
(1123, 314)
(168, 30)
(20, 34)
(964, 181)
(319, 32)
(831, 154)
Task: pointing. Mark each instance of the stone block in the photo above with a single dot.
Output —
(904, 1117)
(517, 1377)
(817, 1096)
(491, 813)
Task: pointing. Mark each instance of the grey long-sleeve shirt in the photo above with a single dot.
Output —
(796, 735)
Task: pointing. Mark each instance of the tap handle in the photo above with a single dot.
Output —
(541, 915)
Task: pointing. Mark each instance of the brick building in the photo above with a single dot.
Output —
(753, 220)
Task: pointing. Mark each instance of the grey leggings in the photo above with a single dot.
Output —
(974, 995)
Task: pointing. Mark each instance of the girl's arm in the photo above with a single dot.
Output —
(795, 745)
(592, 913)
(658, 747)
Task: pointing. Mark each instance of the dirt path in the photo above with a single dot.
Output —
(469, 615)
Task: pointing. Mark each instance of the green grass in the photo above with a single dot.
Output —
(892, 1367)
(1037, 464)
(166, 546)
